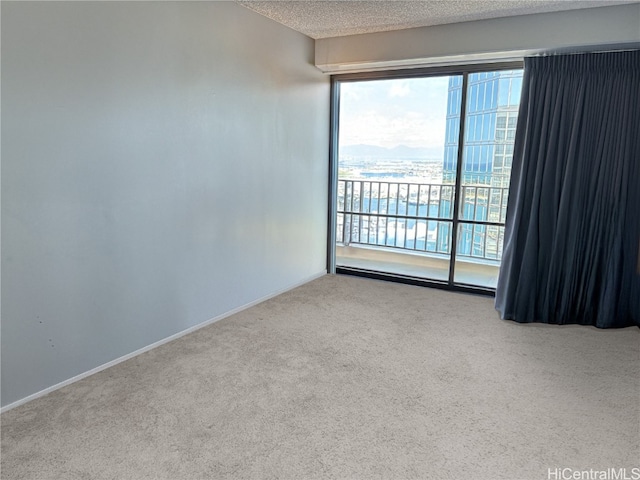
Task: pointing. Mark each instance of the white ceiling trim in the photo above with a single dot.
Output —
(448, 61)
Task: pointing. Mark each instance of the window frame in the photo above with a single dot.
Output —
(464, 71)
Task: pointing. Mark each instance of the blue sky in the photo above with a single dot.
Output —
(394, 112)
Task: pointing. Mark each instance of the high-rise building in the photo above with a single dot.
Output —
(493, 99)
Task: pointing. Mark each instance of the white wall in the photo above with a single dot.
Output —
(162, 163)
(499, 38)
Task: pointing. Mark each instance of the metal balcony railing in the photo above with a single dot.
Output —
(419, 217)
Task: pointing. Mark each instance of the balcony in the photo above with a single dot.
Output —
(407, 228)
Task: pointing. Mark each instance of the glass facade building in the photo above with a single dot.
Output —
(493, 99)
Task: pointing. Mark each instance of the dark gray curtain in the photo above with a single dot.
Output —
(572, 233)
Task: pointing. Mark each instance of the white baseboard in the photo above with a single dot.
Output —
(168, 339)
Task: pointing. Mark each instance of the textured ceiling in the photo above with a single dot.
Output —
(322, 19)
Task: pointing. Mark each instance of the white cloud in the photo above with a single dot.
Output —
(388, 113)
(399, 89)
(413, 129)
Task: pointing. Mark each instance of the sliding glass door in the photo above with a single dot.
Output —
(421, 165)
(394, 213)
(492, 105)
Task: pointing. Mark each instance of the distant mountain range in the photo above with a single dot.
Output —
(399, 152)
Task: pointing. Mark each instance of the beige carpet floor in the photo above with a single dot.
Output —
(346, 378)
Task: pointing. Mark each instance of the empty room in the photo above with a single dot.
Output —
(320, 239)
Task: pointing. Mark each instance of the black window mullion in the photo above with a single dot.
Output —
(458, 184)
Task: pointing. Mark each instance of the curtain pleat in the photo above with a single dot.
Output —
(573, 220)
